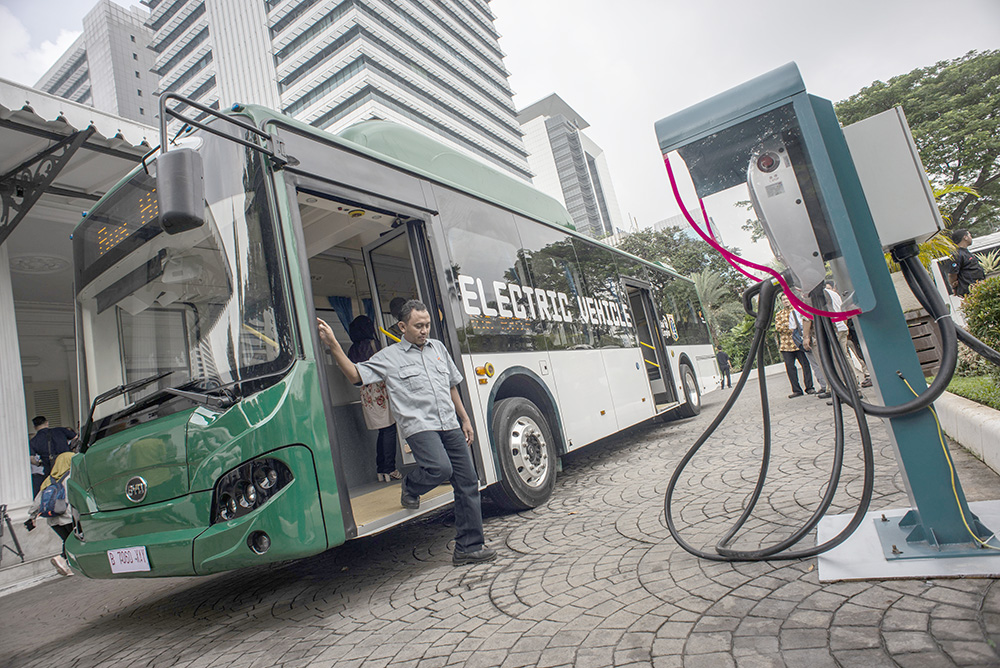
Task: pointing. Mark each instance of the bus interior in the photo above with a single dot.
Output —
(651, 346)
(338, 238)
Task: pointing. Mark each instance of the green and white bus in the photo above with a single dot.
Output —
(222, 436)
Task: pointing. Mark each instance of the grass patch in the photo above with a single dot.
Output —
(981, 389)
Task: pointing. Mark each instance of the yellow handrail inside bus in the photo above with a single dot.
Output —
(646, 360)
(260, 335)
(391, 336)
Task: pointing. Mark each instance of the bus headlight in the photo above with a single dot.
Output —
(248, 487)
(265, 477)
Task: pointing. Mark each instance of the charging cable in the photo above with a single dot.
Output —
(767, 291)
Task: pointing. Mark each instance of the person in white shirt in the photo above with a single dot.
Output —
(836, 304)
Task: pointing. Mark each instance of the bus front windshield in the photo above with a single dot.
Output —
(205, 308)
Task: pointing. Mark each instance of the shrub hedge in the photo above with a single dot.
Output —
(982, 313)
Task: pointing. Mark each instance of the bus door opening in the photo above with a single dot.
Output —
(651, 346)
(360, 261)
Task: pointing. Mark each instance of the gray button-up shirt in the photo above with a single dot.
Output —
(419, 381)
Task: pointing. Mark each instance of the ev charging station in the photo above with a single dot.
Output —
(831, 199)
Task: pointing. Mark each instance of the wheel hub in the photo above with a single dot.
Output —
(529, 451)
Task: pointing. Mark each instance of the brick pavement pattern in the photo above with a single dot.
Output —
(590, 579)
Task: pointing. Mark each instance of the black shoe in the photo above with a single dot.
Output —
(794, 394)
(480, 556)
(409, 501)
(867, 382)
(824, 394)
(810, 390)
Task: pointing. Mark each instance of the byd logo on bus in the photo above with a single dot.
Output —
(516, 301)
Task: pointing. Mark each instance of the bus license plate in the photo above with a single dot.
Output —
(128, 560)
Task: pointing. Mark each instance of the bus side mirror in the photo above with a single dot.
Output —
(180, 190)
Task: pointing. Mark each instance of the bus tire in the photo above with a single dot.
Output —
(692, 393)
(526, 452)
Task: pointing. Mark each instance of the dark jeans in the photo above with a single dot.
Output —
(442, 456)
(64, 530)
(385, 458)
(793, 377)
(726, 378)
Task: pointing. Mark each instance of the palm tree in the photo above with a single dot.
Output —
(710, 287)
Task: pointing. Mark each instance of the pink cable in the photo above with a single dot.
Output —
(732, 258)
(704, 214)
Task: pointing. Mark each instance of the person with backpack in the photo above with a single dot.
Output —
(49, 442)
(51, 504)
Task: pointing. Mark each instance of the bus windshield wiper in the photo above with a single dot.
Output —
(209, 397)
(111, 394)
(224, 401)
(216, 397)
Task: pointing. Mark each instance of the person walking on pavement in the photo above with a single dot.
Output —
(62, 524)
(788, 325)
(37, 472)
(836, 304)
(808, 341)
(422, 381)
(725, 368)
(49, 442)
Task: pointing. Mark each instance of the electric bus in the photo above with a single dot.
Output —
(220, 433)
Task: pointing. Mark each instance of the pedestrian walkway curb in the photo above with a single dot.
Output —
(974, 426)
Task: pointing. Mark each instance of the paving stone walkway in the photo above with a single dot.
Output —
(591, 579)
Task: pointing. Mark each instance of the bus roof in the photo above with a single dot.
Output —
(415, 152)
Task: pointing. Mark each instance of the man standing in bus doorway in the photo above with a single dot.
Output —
(422, 381)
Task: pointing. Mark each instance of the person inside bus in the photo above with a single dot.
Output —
(395, 307)
(422, 381)
(375, 400)
(787, 322)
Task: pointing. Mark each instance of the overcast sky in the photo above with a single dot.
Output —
(625, 69)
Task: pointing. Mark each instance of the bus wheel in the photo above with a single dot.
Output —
(527, 455)
(692, 393)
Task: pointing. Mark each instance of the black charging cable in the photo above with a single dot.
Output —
(843, 384)
(767, 292)
(922, 287)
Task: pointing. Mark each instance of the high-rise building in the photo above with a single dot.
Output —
(569, 166)
(108, 66)
(434, 65)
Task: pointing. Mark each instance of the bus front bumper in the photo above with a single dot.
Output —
(179, 539)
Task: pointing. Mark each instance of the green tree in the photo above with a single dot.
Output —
(685, 255)
(953, 108)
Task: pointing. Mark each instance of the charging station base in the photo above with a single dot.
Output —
(868, 555)
(893, 537)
